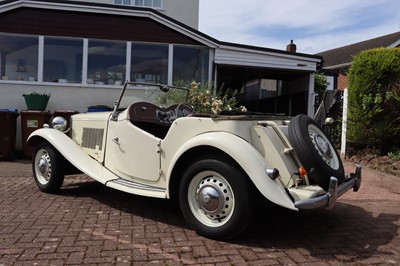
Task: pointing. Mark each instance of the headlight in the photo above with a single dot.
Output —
(59, 123)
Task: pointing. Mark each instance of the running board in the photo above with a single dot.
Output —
(137, 188)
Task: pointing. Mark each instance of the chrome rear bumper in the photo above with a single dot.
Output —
(329, 199)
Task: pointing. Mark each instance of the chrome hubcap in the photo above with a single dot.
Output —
(214, 197)
(43, 166)
(210, 199)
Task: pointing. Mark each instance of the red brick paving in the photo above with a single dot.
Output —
(89, 224)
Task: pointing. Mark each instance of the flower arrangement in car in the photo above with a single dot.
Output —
(204, 101)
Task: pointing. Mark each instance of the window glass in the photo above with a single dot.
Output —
(18, 57)
(269, 88)
(190, 64)
(157, 3)
(149, 63)
(122, 2)
(149, 3)
(62, 60)
(106, 62)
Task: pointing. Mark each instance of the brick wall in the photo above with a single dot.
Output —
(341, 82)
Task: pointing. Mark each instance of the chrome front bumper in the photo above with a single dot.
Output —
(329, 199)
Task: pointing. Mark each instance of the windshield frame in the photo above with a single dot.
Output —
(158, 91)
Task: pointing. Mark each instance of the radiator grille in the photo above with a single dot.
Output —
(93, 137)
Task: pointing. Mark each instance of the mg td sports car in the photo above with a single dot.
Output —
(216, 166)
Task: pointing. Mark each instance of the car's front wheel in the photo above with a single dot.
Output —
(216, 198)
(48, 168)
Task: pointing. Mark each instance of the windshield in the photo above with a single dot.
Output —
(158, 94)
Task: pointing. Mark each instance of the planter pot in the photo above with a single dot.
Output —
(35, 101)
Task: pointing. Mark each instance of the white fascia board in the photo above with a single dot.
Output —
(256, 58)
(395, 44)
(338, 66)
(184, 31)
(264, 52)
(10, 6)
(75, 6)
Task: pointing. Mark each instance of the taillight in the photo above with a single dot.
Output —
(302, 172)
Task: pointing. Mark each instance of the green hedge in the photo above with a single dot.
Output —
(374, 99)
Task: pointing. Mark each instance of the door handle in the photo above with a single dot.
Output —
(115, 140)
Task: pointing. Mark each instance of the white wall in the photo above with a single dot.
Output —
(186, 11)
(63, 97)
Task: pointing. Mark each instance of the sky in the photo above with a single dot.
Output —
(313, 25)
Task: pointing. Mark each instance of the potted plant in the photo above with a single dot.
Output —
(36, 101)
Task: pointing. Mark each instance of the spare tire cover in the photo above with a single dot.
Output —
(315, 151)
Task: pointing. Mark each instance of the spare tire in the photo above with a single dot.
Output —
(315, 151)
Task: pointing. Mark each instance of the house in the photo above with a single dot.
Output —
(183, 11)
(81, 53)
(337, 61)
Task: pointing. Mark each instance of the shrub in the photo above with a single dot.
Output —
(374, 99)
(320, 85)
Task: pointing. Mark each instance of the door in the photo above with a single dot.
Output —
(132, 153)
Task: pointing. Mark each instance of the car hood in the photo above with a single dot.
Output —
(91, 116)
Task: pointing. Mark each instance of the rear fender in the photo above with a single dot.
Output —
(249, 159)
(72, 153)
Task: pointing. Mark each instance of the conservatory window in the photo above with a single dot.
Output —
(18, 57)
(62, 60)
(149, 63)
(106, 62)
(190, 64)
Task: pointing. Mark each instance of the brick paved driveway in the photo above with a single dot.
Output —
(90, 224)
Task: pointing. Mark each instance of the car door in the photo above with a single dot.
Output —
(132, 153)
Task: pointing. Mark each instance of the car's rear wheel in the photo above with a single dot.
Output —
(48, 168)
(216, 198)
(315, 151)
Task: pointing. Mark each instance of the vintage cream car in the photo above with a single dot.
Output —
(216, 166)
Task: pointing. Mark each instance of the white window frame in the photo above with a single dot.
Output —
(85, 54)
(122, 4)
(40, 58)
(133, 3)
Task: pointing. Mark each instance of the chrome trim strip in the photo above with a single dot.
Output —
(131, 184)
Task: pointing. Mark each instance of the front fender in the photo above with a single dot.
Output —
(72, 153)
(247, 157)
